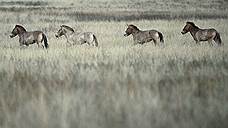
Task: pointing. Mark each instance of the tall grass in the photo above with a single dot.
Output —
(117, 84)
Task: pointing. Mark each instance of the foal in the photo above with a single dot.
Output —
(199, 34)
(141, 37)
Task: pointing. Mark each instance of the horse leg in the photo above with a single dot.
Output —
(91, 43)
(197, 42)
(68, 44)
(155, 42)
(22, 43)
(88, 43)
(22, 46)
(210, 42)
(42, 45)
(37, 42)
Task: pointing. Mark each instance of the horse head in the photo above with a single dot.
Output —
(130, 29)
(63, 31)
(188, 27)
(60, 32)
(18, 29)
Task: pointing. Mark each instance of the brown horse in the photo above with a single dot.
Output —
(27, 38)
(199, 34)
(141, 37)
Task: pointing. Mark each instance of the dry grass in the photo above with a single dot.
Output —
(116, 85)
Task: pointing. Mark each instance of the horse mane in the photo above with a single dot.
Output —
(21, 27)
(133, 26)
(67, 27)
(192, 24)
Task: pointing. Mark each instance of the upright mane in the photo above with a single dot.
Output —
(192, 24)
(133, 26)
(68, 28)
(21, 28)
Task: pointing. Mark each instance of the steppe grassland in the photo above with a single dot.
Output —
(114, 85)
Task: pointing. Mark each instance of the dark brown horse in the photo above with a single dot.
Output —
(27, 38)
(141, 37)
(199, 34)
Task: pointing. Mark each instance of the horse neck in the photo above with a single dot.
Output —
(135, 32)
(21, 29)
(77, 32)
(193, 30)
(21, 37)
(21, 33)
(68, 34)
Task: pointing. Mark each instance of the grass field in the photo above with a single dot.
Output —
(116, 85)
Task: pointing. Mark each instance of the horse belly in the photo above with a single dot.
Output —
(205, 35)
(29, 40)
(142, 38)
(87, 38)
(148, 39)
(81, 38)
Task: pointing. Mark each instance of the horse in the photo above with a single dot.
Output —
(77, 37)
(141, 37)
(199, 34)
(27, 38)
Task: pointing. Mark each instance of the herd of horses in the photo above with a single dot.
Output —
(139, 36)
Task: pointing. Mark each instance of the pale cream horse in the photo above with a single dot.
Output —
(77, 37)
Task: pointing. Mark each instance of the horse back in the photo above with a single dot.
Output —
(87, 36)
(145, 36)
(208, 32)
(34, 33)
(32, 37)
(153, 32)
(146, 33)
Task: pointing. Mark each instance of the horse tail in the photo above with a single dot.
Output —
(45, 41)
(95, 39)
(161, 37)
(218, 39)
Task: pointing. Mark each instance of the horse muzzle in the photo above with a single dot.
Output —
(11, 35)
(183, 32)
(57, 36)
(126, 35)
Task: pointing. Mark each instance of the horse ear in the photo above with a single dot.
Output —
(189, 22)
(17, 25)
